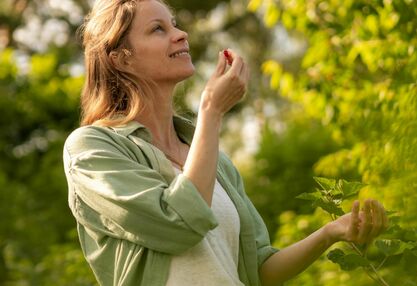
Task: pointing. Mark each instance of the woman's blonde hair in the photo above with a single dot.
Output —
(109, 92)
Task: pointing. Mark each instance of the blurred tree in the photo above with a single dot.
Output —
(358, 79)
(284, 168)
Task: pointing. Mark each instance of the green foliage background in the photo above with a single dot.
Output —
(333, 94)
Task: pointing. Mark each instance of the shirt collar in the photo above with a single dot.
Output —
(183, 127)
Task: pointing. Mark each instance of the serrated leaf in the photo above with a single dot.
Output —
(353, 261)
(325, 183)
(350, 189)
(392, 247)
(346, 261)
(337, 195)
(309, 196)
(329, 207)
(335, 255)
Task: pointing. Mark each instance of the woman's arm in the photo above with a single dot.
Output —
(222, 92)
(358, 227)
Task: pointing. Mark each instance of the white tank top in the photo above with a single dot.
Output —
(213, 261)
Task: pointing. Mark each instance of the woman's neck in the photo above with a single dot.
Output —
(157, 117)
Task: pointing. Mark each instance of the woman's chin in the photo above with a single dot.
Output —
(188, 73)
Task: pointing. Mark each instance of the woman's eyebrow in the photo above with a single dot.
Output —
(173, 20)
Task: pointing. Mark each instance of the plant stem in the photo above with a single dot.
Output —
(374, 271)
(383, 282)
(382, 263)
(372, 276)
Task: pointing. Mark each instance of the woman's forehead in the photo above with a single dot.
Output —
(151, 10)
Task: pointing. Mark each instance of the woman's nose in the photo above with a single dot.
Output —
(180, 35)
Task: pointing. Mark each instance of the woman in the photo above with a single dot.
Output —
(155, 201)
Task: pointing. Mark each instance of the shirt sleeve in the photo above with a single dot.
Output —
(134, 202)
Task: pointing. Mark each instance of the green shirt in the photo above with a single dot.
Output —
(133, 212)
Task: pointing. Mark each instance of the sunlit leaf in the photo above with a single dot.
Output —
(309, 196)
(325, 183)
(371, 23)
(286, 83)
(350, 189)
(43, 66)
(272, 15)
(287, 20)
(329, 206)
(271, 66)
(254, 5)
(7, 64)
(393, 246)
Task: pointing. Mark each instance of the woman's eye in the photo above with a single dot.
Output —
(158, 28)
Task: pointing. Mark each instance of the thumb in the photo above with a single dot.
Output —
(221, 64)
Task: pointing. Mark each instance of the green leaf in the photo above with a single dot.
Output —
(392, 247)
(371, 23)
(353, 261)
(286, 84)
(7, 64)
(336, 255)
(329, 207)
(325, 183)
(410, 234)
(409, 261)
(349, 189)
(254, 5)
(336, 194)
(272, 15)
(347, 262)
(309, 196)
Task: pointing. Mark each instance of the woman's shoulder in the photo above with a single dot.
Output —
(87, 133)
(91, 137)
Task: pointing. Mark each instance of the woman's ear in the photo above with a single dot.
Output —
(119, 59)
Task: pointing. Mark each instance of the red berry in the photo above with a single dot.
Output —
(228, 57)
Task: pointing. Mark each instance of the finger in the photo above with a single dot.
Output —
(383, 217)
(354, 223)
(244, 77)
(366, 224)
(247, 76)
(376, 220)
(245, 73)
(237, 63)
(221, 64)
(385, 222)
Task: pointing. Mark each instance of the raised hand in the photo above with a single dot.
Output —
(360, 226)
(226, 86)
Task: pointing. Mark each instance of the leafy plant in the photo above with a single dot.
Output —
(395, 244)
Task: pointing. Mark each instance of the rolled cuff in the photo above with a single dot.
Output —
(184, 198)
(264, 253)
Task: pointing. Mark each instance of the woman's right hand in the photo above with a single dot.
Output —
(226, 86)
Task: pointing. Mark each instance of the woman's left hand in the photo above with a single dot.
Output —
(359, 226)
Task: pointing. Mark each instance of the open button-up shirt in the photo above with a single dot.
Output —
(134, 212)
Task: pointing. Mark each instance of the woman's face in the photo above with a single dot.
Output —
(160, 49)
